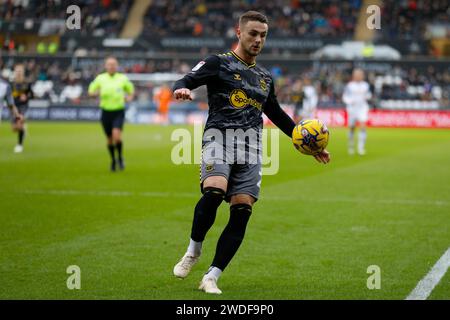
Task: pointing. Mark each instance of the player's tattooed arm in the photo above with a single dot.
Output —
(274, 112)
(201, 74)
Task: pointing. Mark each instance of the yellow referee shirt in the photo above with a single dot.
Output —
(113, 89)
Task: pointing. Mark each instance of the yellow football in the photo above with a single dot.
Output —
(310, 136)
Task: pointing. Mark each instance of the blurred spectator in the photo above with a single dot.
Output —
(212, 18)
(163, 96)
(393, 83)
(409, 19)
(72, 91)
(99, 17)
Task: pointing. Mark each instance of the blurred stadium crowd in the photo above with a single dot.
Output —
(65, 80)
(218, 18)
(63, 84)
(99, 17)
(320, 18)
(413, 18)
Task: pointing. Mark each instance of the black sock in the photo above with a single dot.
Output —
(232, 236)
(21, 136)
(111, 151)
(119, 150)
(205, 212)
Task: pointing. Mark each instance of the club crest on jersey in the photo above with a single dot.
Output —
(239, 99)
(209, 167)
(198, 66)
(263, 84)
(237, 76)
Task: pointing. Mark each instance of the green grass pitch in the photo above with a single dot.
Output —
(312, 235)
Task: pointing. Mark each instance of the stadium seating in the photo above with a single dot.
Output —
(218, 18)
(412, 19)
(99, 17)
(295, 25)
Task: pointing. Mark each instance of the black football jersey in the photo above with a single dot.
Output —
(238, 93)
(21, 89)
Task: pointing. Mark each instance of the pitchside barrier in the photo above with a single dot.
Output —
(332, 117)
(390, 118)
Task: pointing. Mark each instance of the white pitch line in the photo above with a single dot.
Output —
(155, 194)
(363, 200)
(427, 284)
(110, 193)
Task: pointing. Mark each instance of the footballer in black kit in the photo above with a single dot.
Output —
(239, 92)
(22, 93)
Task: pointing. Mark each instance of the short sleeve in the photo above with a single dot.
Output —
(94, 85)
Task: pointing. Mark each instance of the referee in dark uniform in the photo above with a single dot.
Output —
(114, 90)
(239, 92)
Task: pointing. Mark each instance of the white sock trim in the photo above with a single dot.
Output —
(362, 139)
(195, 248)
(214, 271)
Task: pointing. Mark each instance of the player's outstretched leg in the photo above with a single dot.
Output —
(111, 153)
(351, 140)
(119, 155)
(19, 127)
(362, 137)
(227, 246)
(117, 140)
(113, 159)
(21, 137)
(204, 216)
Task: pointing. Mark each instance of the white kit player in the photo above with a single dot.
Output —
(310, 100)
(356, 94)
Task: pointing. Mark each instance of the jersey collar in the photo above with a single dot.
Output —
(241, 60)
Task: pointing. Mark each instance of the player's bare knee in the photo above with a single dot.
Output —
(218, 182)
(242, 199)
(116, 136)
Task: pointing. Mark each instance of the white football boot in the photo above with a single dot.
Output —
(361, 151)
(184, 266)
(351, 148)
(209, 285)
(18, 149)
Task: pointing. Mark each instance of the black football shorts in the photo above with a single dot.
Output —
(111, 120)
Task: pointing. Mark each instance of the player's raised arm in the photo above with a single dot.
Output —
(94, 88)
(274, 112)
(203, 72)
